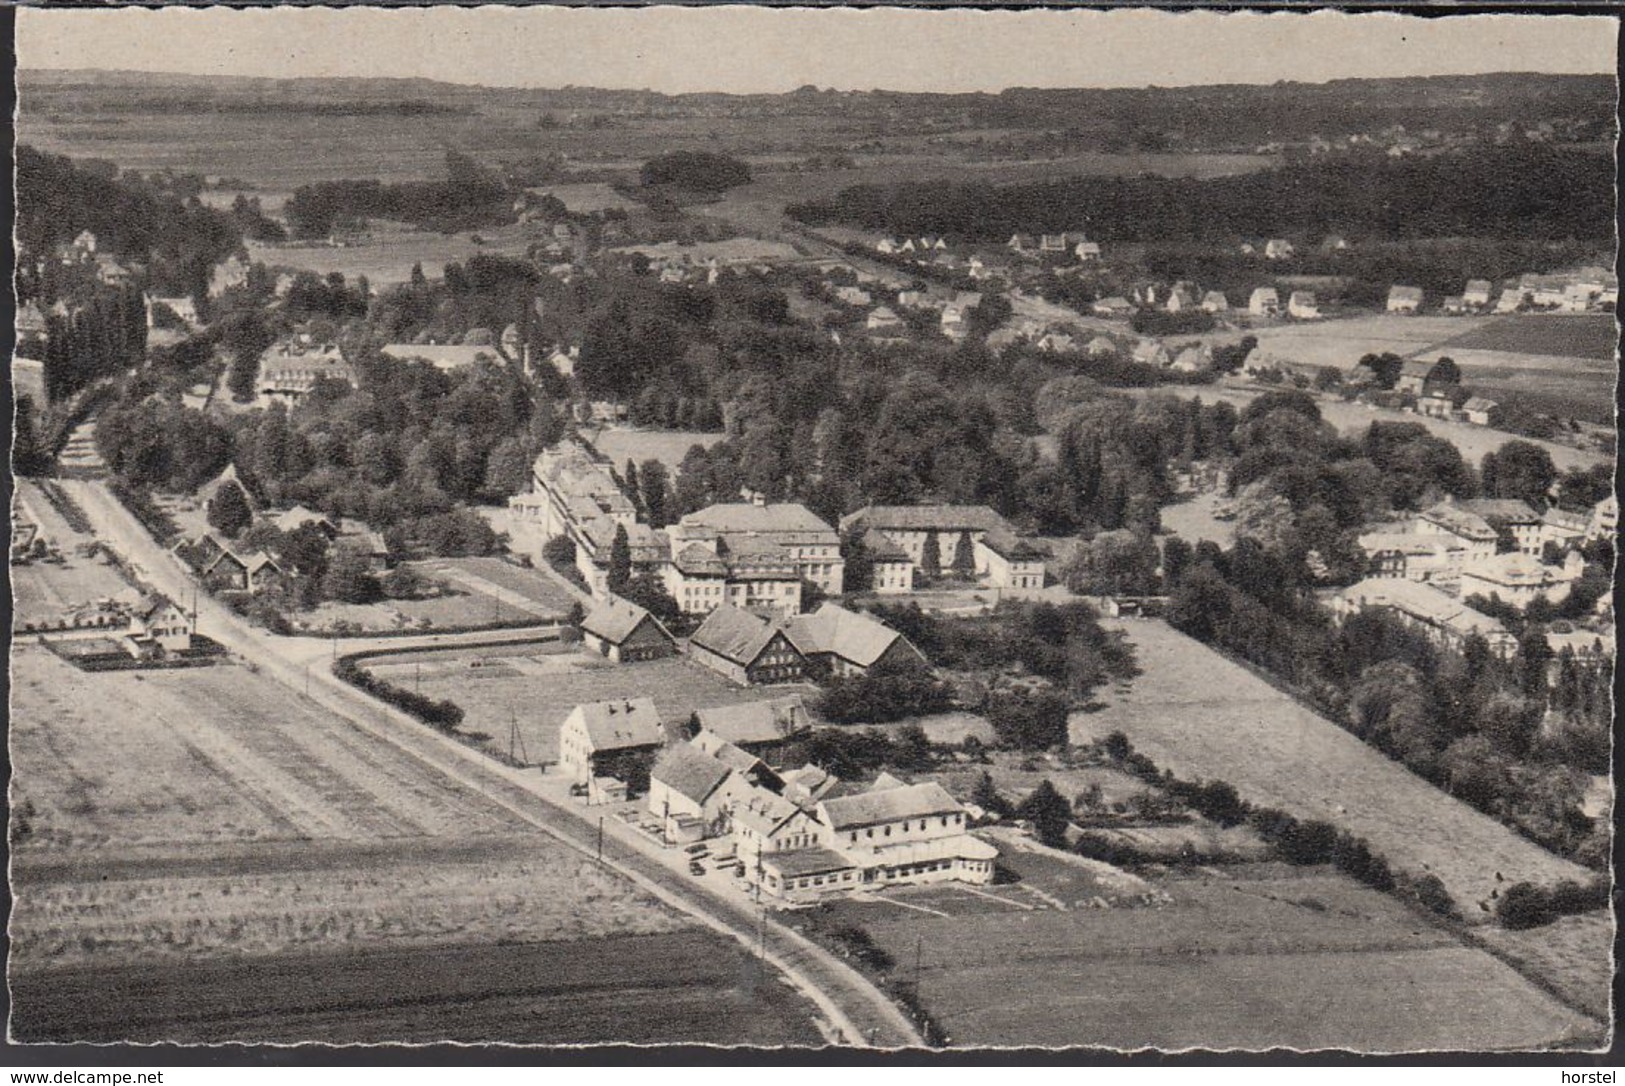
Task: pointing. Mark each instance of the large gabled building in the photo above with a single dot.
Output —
(746, 648)
(842, 643)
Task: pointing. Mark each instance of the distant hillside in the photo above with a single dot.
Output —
(1210, 117)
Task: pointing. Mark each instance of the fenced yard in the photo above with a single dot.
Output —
(519, 698)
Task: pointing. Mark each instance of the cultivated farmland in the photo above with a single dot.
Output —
(1195, 712)
(688, 987)
(1254, 957)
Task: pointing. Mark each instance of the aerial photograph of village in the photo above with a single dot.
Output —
(875, 529)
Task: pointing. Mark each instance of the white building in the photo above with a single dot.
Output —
(1520, 579)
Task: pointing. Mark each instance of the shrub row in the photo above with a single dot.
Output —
(442, 715)
(140, 504)
(1525, 905)
(1302, 842)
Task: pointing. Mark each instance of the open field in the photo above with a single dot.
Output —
(1253, 957)
(684, 987)
(487, 591)
(532, 890)
(206, 755)
(42, 591)
(1553, 363)
(387, 255)
(1195, 712)
(1561, 335)
(535, 689)
(1575, 955)
(667, 446)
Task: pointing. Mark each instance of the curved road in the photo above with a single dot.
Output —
(859, 1013)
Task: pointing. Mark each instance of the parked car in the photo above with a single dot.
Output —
(695, 868)
(697, 850)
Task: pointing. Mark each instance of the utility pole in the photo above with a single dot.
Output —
(919, 949)
(600, 839)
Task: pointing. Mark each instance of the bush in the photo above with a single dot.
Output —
(1524, 905)
(443, 715)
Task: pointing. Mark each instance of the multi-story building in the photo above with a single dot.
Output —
(1415, 556)
(1473, 532)
(746, 527)
(1424, 608)
(1517, 526)
(971, 539)
(1520, 579)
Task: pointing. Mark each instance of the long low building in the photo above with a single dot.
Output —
(1443, 619)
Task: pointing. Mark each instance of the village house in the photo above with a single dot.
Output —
(761, 728)
(1214, 301)
(746, 649)
(183, 307)
(884, 320)
(621, 631)
(1087, 252)
(1520, 579)
(1181, 297)
(1150, 352)
(1301, 305)
(844, 643)
(158, 627)
(297, 517)
(1426, 609)
(609, 746)
(1264, 302)
(1413, 376)
(1193, 359)
(854, 295)
(1278, 249)
(1511, 298)
(687, 793)
(1481, 411)
(1472, 531)
(1100, 347)
(1435, 405)
(1477, 293)
(888, 246)
(1404, 299)
(1022, 243)
(1115, 306)
(225, 572)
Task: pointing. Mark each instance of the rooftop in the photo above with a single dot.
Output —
(851, 635)
(734, 634)
(615, 619)
(890, 805)
(922, 518)
(774, 519)
(619, 724)
(755, 721)
(806, 861)
(689, 771)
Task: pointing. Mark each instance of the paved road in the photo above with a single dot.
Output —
(858, 1011)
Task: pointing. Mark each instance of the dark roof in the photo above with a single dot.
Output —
(616, 619)
(1505, 510)
(806, 861)
(734, 634)
(882, 549)
(697, 560)
(1013, 547)
(921, 518)
(851, 635)
(754, 721)
(689, 771)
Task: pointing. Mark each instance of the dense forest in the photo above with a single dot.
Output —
(133, 218)
(1519, 191)
(468, 196)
